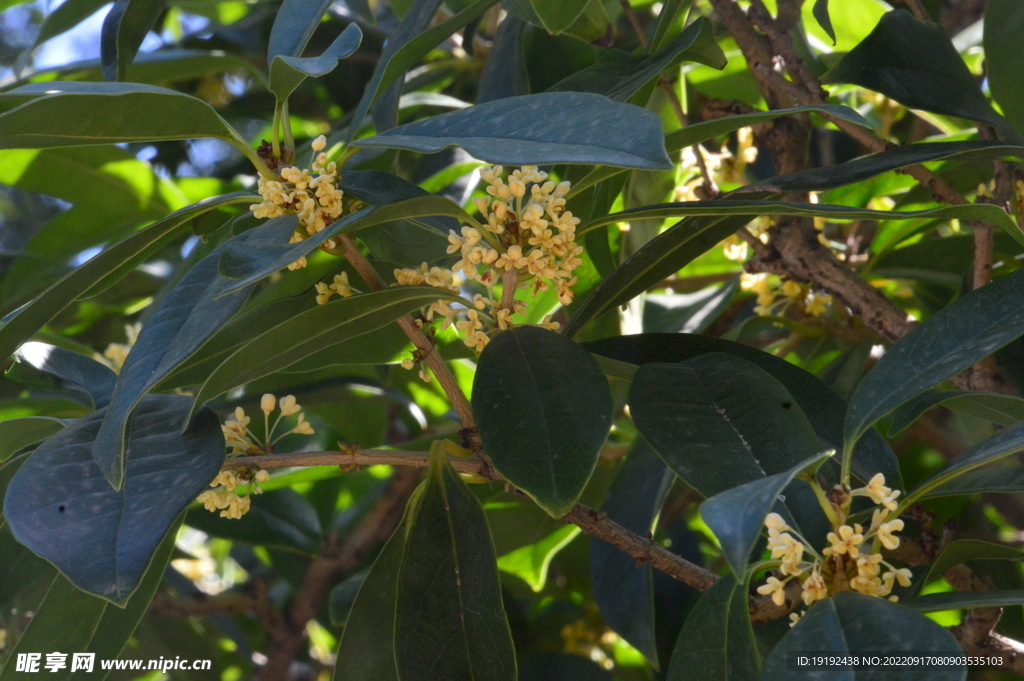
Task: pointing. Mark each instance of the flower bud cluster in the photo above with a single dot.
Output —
(851, 561)
(316, 200)
(242, 441)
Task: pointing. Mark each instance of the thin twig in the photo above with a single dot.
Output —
(634, 21)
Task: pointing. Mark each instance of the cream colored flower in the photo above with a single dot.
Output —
(885, 533)
(776, 588)
(845, 542)
(814, 588)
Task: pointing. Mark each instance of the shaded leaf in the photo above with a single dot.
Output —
(1004, 22)
(124, 29)
(686, 312)
(999, 479)
(557, 17)
(343, 596)
(66, 16)
(60, 505)
(1004, 410)
(504, 72)
(562, 667)
(530, 563)
(960, 334)
(543, 409)
(16, 434)
(956, 600)
(824, 20)
(961, 550)
(53, 366)
(280, 519)
(288, 72)
(623, 590)
(850, 622)
(293, 26)
(550, 127)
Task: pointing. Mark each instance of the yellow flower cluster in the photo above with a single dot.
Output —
(316, 200)
(724, 166)
(116, 353)
(340, 286)
(852, 560)
(242, 441)
(787, 292)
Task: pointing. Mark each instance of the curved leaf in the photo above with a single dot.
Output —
(66, 16)
(999, 479)
(543, 409)
(961, 550)
(963, 600)
(60, 505)
(1004, 410)
(16, 434)
(53, 366)
(288, 72)
(820, 11)
(550, 127)
(124, 29)
(293, 27)
(951, 340)
(1004, 21)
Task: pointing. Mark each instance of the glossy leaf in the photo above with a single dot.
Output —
(53, 366)
(288, 72)
(248, 263)
(315, 330)
(564, 127)
(719, 421)
(293, 27)
(1004, 21)
(623, 590)
(280, 519)
(111, 264)
(543, 409)
(530, 563)
(49, 116)
(915, 63)
(850, 622)
(686, 312)
(449, 617)
(60, 505)
(16, 434)
(619, 75)
(822, 406)
(961, 550)
(184, 319)
(1004, 410)
(717, 640)
(964, 600)
(557, 17)
(124, 29)
(1000, 479)
(736, 516)
(960, 334)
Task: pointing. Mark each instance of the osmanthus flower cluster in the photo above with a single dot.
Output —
(242, 441)
(774, 295)
(851, 561)
(311, 193)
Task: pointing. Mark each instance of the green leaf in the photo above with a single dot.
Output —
(543, 409)
(824, 20)
(915, 63)
(73, 621)
(315, 330)
(248, 263)
(15, 434)
(557, 17)
(962, 550)
(736, 516)
(293, 26)
(66, 16)
(1004, 410)
(717, 640)
(124, 29)
(56, 367)
(343, 596)
(60, 505)
(280, 519)
(999, 479)
(562, 667)
(1004, 21)
(530, 563)
(822, 406)
(565, 127)
(108, 266)
(624, 590)
(1003, 443)
(850, 622)
(185, 318)
(957, 336)
(964, 600)
(287, 72)
(49, 116)
(449, 619)
(619, 75)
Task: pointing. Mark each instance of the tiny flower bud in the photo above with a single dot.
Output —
(267, 403)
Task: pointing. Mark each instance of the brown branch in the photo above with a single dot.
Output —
(634, 22)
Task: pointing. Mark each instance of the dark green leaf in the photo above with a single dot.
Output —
(504, 72)
(562, 667)
(66, 16)
(60, 505)
(293, 26)
(850, 622)
(543, 409)
(915, 63)
(1004, 21)
(1004, 410)
(999, 479)
(449, 619)
(564, 127)
(280, 519)
(963, 600)
(557, 17)
(288, 72)
(124, 29)
(962, 550)
(717, 641)
(951, 340)
(53, 366)
(624, 590)
(100, 270)
(736, 516)
(315, 330)
(185, 319)
(15, 434)
(343, 596)
(686, 312)
(618, 75)
(824, 20)
(822, 406)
